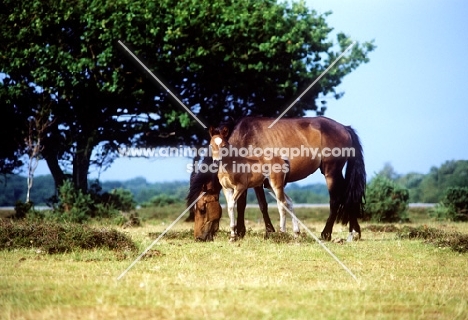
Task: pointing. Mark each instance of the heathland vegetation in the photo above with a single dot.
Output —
(67, 270)
(80, 247)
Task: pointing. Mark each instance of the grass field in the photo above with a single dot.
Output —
(277, 278)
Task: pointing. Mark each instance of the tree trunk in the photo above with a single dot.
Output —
(32, 165)
(81, 162)
(53, 164)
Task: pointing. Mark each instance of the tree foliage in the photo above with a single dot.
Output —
(223, 58)
(431, 187)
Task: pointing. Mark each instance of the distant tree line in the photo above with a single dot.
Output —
(13, 188)
(430, 187)
(425, 188)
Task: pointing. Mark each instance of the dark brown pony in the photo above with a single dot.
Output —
(324, 144)
(238, 173)
(207, 209)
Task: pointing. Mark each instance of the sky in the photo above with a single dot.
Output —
(409, 104)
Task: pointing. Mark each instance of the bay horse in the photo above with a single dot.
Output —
(238, 173)
(323, 144)
(207, 209)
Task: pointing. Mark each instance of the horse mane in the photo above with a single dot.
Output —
(198, 180)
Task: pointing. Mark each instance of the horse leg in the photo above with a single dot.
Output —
(228, 194)
(234, 196)
(262, 203)
(354, 228)
(335, 188)
(282, 214)
(241, 204)
(296, 229)
(281, 202)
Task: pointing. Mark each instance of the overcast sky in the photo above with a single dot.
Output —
(408, 104)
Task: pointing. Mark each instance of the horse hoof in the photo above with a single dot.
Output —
(297, 234)
(240, 231)
(267, 234)
(233, 239)
(326, 237)
(353, 236)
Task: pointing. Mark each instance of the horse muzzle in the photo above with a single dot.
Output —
(208, 231)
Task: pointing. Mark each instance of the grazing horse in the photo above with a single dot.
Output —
(207, 210)
(312, 143)
(238, 173)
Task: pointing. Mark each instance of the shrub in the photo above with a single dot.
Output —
(110, 204)
(73, 205)
(386, 201)
(119, 199)
(21, 209)
(26, 210)
(53, 237)
(454, 205)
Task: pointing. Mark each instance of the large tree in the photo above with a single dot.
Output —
(223, 58)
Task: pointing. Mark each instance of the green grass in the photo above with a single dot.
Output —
(254, 278)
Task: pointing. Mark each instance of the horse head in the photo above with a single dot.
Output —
(207, 210)
(218, 141)
(207, 213)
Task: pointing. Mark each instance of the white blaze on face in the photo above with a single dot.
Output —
(216, 155)
(218, 141)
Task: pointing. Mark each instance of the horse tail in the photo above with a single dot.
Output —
(352, 204)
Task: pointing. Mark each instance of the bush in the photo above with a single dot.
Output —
(21, 209)
(73, 205)
(117, 199)
(26, 209)
(386, 201)
(454, 205)
(52, 237)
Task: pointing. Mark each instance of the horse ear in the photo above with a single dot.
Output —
(212, 131)
(224, 131)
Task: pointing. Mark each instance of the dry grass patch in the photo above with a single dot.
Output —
(255, 278)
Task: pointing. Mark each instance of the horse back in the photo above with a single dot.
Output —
(317, 132)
